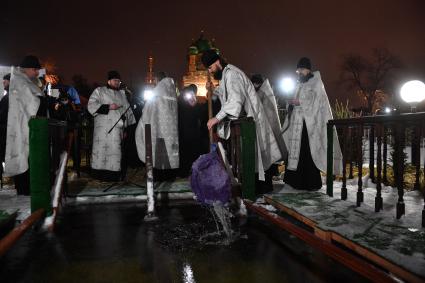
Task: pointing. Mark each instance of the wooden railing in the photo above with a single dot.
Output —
(241, 156)
(352, 132)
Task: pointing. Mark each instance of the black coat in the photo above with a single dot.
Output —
(4, 109)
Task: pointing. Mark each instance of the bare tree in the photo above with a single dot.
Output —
(369, 78)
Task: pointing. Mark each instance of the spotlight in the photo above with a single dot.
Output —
(287, 85)
(148, 95)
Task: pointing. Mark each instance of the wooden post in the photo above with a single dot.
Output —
(423, 210)
(149, 171)
(416, 154)
(372, 153)
(330, 165)
(346, 139)
(399, 154)
(384, 156)
(360, 164)
(351, 135)
(39, 165)
(378, 198)
(247, 146)
(210, 111)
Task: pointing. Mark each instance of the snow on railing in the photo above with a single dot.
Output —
(49, 221)
(404, 128)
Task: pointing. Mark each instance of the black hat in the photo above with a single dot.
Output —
(6, 77)
(257, 79)
(305, 63)
(30, 61)
(113, 75)
(161, 75)
(209, 57)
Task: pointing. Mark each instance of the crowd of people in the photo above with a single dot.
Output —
(179, 123)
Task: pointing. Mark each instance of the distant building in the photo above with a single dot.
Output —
(196, 73)
(150, 79)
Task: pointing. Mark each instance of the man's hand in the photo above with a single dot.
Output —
(209, 86)
(295, 102)
(212, 122)
(114, 106)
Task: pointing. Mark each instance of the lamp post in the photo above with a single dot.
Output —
(413, 92)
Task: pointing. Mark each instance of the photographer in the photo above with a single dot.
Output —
(65, 110)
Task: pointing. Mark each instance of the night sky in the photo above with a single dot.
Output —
(268, 37)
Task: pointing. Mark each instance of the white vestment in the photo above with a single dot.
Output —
(237, 94)
(267, 98)
(315, 110)
(23, 103)
(161, 113)
(106, 152)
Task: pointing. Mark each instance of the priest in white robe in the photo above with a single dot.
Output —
(108, 105)
(24, 102)
(239, 98)
(305, 131)
(160, 112)
(266, 94)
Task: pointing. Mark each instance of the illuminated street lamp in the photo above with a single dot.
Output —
(413, 92)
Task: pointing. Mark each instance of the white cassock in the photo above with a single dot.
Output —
(106, 152)
(315, 110)
(23, 103)
(267, 98)
(161, 113)
(237, 94)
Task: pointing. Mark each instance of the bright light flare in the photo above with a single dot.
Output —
(413, 92)
(387, 110)
(287, 85)
(189, 95)
(148, 95)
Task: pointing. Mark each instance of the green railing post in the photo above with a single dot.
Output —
(39, 163)
(330, 165)
(248, 141)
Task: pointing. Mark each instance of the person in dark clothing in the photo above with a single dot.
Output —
(4, 105)
(189, 129)
(65, 110)
(307, 176)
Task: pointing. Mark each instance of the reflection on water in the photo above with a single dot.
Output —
(112, 243)
(188, 274)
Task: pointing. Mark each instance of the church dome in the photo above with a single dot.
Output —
(193, 50)
(202, 43)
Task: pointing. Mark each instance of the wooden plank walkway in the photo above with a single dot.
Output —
(397, 246)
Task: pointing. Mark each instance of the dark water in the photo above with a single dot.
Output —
(111, 243)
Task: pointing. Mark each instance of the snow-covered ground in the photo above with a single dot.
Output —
(414, 200)
(401, 241)
(10, 203)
